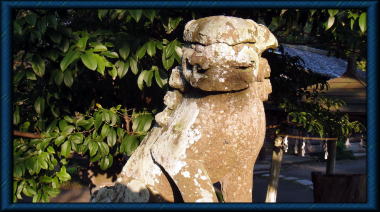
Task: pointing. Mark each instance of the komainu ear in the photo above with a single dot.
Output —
(265, 39)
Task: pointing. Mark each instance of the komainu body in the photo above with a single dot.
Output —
(213, 126)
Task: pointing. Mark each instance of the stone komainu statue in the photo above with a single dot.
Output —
(213, 126)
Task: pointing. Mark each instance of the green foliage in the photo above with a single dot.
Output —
(342, 32)
(59, 58)
(100, 135)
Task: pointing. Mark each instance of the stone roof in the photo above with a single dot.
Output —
(317, 60)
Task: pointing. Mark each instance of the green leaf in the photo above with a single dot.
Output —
(124, 51)
(17, 171)
(105, 130)
(42, 25)
(17, 29)
(151, 48)
(136, 14)
(113, 73)
(62, 124)
(101, 61)
(150, 14)
(97, 157)
(172, 24)
(65, 149)
(68, 130)
(140, 80)
(106, 116)
(98, 47)
(20, 187)
(161, 78)
(110, 158)
(133, 65)
(122, 68)
(102, 13)
(104, 149)
(111, 137)
(148, 78)
(63, 175)
(69, 58)
(68, 78)
(29, 191)
(123, 146)
(39, 105)
(82, 42)
(52, 54)
(65, 46)
(19, 75)
(131, 144)
(50, 150)
(167, 63)
(113, 118)
(77, 138)
(54, 182)
(142, 122)
(332, 12)
(16, 116)
(98, 120)
(45, 179)
(93, 147)
(68, 119)
(30, 75)
(159, 44)
(85, 146)
(55, 36)
(110, 54)
(31, 19)
(363, 22)
(59, 140)
(169, 49)
(53, 192)
(330, 22)
(38, 65)
(35, 36)
(104, 163)
(141, 51)
(89, 60)
(147, 122)
(52, 21)
(82, 122)
(42, 163)
(120, 132)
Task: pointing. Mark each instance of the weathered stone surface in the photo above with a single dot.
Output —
(211, 131)
(225, 54)
(172, 99)
(220, 29)
(176, 79)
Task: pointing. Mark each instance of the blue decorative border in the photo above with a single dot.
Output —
(6, 111)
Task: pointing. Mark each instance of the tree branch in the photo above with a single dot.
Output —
(26, 134)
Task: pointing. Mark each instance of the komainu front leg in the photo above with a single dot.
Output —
(237, 185)
(194, 183)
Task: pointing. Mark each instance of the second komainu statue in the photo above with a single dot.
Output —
(213, 126)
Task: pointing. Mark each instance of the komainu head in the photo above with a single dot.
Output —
(223, 53)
